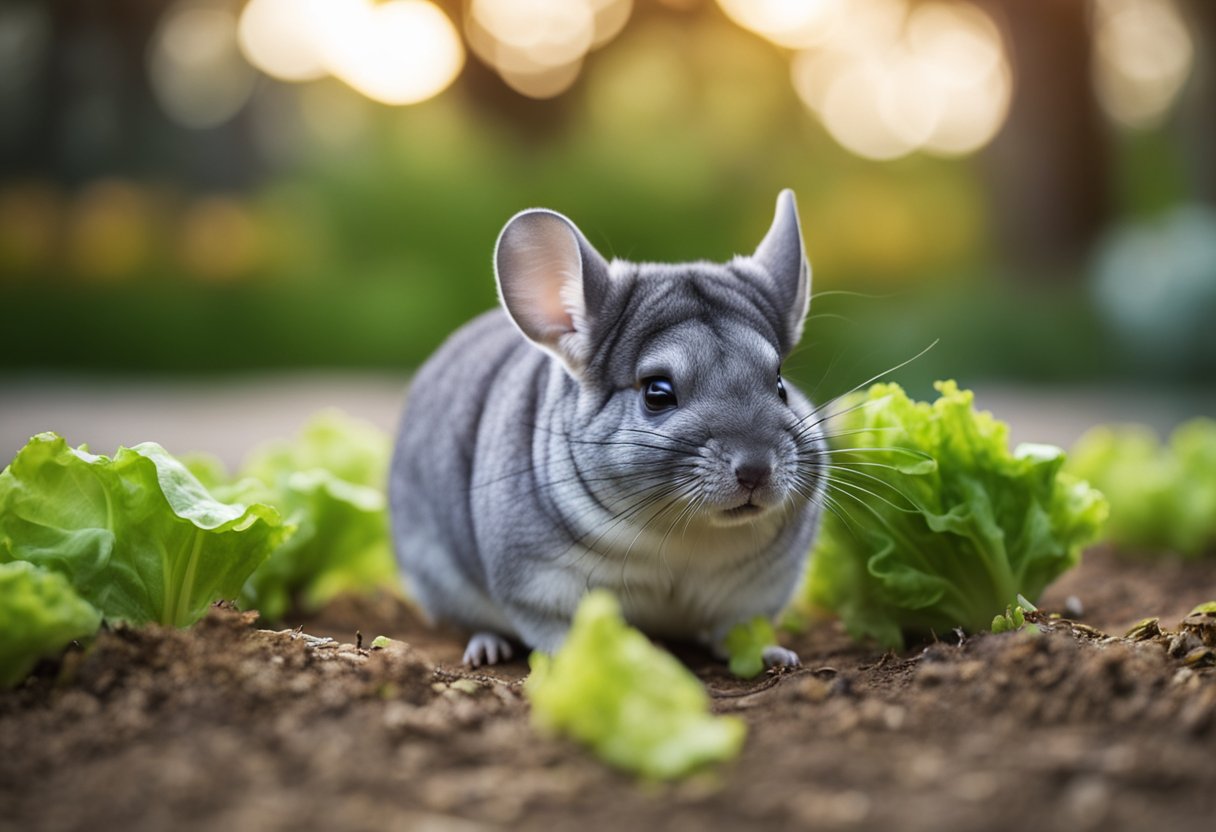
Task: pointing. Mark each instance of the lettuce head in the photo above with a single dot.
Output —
(934, 523)
(137, 535)
(329, 482)
(1162, 497)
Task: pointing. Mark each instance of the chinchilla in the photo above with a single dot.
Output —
(619, 425)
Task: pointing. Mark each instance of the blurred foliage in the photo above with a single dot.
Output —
(329, 483)
(368, 237)
(1162, 496)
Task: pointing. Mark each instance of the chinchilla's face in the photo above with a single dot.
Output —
(679, 406)
(687, 401)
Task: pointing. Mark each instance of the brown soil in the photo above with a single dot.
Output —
(227, 727)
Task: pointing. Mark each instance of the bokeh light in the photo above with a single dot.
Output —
(894, 79)
(218, 239)
(547, 82)
(1143, 56)
(534, 34)
(195, 67)
(1153, 282)
(796, 24)
(29, 227)
(538, 46)
(398, 52)
(110, 232)
(283, 37)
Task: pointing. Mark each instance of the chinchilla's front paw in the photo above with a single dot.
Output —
(775, 656)
(487, 648)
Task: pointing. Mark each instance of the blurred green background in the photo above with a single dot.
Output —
(200, 188)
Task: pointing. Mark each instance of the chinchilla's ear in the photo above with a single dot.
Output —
(783, 256)
(551, 282)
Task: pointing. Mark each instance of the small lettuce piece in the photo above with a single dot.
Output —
(745, 645)
(40, 614)
(634, 704)
(951, 528)
(1162, 497)
(138, 536)
(329, 482)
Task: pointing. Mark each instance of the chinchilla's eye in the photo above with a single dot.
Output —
(781, 390)
(658, 393)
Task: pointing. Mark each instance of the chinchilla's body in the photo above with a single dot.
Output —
(619, 425)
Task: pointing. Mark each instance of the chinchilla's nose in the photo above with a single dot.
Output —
(753, 472)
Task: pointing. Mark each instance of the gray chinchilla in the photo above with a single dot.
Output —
(622, 425)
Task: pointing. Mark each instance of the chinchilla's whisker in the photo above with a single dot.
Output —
(628, 551)
(818, 316)
(854, 431)
(605, 442)
(623, 517)
(840, 512)
(861, 503)
(809, 491)
(821, 465)
(837, 452)
(799, 350)
(638, 482)
(659, 435)
(700, 498)
(689, 510)
(593, 505)
(849, 464)
(698, 502)
(645, 494)
(827, 406)
(804, 427)
(840, 354)
(533, 468)
(633, 509)
(827, 293)
(845, 487)
(885, 372)
(885, 483)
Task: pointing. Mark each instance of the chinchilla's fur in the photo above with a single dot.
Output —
(620, 425)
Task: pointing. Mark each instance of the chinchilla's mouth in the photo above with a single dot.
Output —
(748, 509)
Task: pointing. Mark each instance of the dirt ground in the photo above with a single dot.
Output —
(227, 727)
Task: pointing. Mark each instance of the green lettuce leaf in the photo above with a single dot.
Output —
(935, 523)
(329, 482)
(40, 614)
(634, 704)
(745, 645)
(208, 469)
(352, 450)
(137, 536)
(1162, 497)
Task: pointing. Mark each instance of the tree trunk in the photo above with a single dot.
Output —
(1048, 168)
